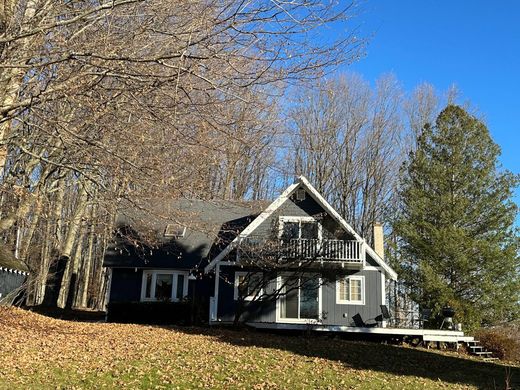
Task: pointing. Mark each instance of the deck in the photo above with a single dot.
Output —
(447, 336)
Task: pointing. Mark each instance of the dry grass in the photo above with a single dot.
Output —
(40, 352)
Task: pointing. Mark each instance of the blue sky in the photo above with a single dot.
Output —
(472, 44)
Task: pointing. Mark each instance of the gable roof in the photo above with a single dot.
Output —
(208, 224)
(301, 181)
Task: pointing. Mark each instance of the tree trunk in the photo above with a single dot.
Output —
(56, 283)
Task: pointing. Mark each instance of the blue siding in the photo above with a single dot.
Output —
(227, 306)
(126, 285)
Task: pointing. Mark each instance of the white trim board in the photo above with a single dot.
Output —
(334, 214)
(301, 181)
(253, 225)
(426, 333)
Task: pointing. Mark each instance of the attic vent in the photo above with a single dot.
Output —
(300, 194)
(174, 230)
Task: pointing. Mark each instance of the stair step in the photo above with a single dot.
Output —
(483, 353)
(490, 359)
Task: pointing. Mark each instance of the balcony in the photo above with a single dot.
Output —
(302, 249)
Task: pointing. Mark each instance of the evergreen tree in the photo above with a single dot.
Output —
(458, 244)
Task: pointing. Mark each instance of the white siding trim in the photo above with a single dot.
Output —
(253, 225)
(372, 268)
(333, 213)
(320, 200)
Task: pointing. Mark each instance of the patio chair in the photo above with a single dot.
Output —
(425, 316)
(385, 313)
(358, 321)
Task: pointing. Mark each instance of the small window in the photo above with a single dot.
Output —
(174, 230)
(300, 194)
(164, 285)
(351, 290)
(248, 286)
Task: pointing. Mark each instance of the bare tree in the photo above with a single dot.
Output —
(111, 101)
(348, 139)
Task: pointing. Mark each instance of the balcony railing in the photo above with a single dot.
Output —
(305, 249)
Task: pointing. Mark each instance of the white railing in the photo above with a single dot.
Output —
(301, 248)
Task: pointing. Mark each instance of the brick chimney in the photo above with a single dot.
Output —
(379, 239)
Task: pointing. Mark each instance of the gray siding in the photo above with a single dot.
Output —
(341, 314)
(333, 313)
(9, 283)
(305, 208)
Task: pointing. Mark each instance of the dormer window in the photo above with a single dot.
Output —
(174, 230)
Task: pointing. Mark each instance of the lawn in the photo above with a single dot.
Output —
(40, 352)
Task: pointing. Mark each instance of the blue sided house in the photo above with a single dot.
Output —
(288, 264)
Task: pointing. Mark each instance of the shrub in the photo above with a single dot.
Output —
(179, 313)
(501, 341)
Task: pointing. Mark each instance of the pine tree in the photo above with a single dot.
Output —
(458, 244)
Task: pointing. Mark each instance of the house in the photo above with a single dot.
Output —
(292, 262)
(13, 274)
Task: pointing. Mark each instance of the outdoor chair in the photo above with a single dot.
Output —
(425, 316)
(385, 314)
(358, 321)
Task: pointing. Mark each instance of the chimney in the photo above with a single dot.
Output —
(378, 239)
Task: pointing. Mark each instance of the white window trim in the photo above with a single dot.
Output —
(301, 219)
(236, 283)
(347, 301)
(154, 273)
(281, 319)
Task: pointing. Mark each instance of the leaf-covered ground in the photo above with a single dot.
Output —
(40, 352)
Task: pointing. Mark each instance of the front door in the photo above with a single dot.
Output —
(299, 300)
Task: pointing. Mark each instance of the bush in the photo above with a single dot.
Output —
(179, 313)
(501, 341)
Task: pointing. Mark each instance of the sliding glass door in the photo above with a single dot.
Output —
(300, 298)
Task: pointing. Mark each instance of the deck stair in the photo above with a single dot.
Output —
(475, 349)
(473, 346)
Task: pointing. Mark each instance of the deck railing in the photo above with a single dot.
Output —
(307, 249)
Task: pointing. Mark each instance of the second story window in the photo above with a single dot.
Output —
(306, 228)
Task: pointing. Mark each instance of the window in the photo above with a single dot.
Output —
(299, 228)
(248, 285)
(164, 285)
(351, 290)
(300, 194)
(174, 230)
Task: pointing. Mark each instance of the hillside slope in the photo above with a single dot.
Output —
(40, 352)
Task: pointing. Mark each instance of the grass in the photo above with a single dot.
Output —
(40, 352)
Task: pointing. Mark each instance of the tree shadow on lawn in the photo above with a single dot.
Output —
(374, 356)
